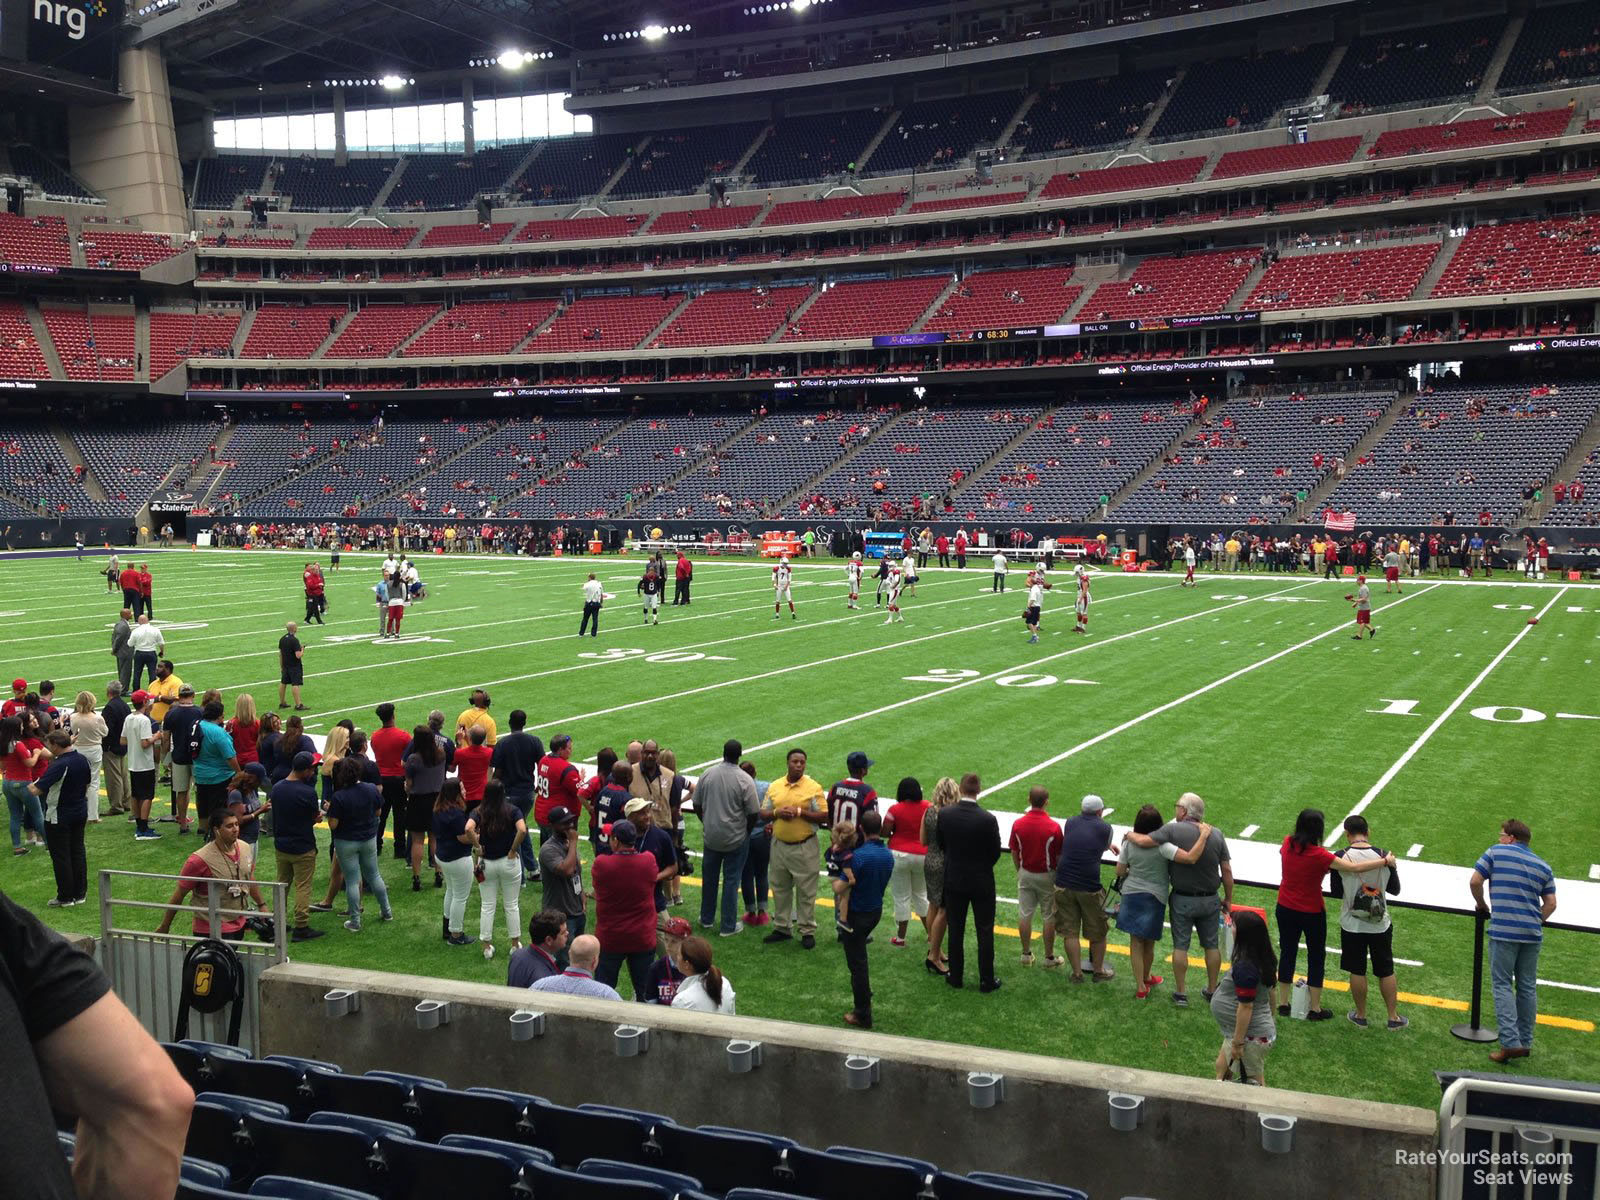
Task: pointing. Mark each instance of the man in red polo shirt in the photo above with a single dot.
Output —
(683, 575)
(316, 598)
(942, 545)
(389, 747)
(555, 783)
(146, 584)
(1036, 850)
(129, 582)
(472, 763)
(625, 909)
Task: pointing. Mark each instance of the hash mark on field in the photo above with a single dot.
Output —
(1409, 962)
(1594, 871)
(1415, 850)
(1249, 831)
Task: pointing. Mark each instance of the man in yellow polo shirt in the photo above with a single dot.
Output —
(1231, 548)
(795, 805)
(163, 690)
(476, 713)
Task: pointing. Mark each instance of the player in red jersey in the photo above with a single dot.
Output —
(316, 599)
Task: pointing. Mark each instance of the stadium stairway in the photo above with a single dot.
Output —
(1437, 267)
(338, 331)
(69, 451)
(938, 304)
(799, 312)
(666, 322)
(1143, 136)
(672, 483)
(141, 343)
(433, 468)
(1150, 468)
(1023, 109)
(528, 159)
(522, 347)
(1502, 53)
(217, 477)
(1000, 455)
(1329, 68)
(871, 147)
(812, 481)
(615, 177)
(389, 184)
(736, 172)
(1246, 288)
(1587, 441)
(47, 345)
(400, 350)
(243, 333)
(1317, 495)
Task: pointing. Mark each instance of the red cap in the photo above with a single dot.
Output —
(139, 698)
(19, 685)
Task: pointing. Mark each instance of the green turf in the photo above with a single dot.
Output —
(1246, 690)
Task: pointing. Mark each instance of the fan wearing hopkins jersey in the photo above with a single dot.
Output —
(852, 575)
(851, 797)
(650, 588)
(782, 577)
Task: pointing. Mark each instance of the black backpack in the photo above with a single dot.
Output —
(213, 978)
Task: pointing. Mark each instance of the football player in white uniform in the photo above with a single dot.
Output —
(852, 575)
(781, 579)
(908, 574)
(1082, 604)
(1037, 586)
(896, 581)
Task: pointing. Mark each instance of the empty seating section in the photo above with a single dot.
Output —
(1239, 93)
(1431, 63)
(360, 237)
(1250, 460)
(1460, 135)
(1087, 113)
(681, 161)
(440, 182)
(570, 168)
(35, 469)
(764, 464)
(290, 330)
(318, 184)
(579, 229)
(940, 134)
(468, 235)
(924, 453)
(595, 323)
(56, 180)
(985, 200)
(263, 453)
(220, 180)
(1006, 299)
(1123, 179)
(1366, 276)
(1071, 458)
(1559, 44)
(705, 220)
(20, 356)
(481, 327)
(800, 149)
(834, 208)
(732, 318)
(131, 461)
(1297, 156)
(176, 336)
(122, 249)
(1169, 287)
(864, 308)
(35, 241)
(509, 462)
(376, 330)
(1466, 451)
(1524, 256)
(92, 345)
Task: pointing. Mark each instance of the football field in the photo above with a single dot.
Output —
(1246, 689)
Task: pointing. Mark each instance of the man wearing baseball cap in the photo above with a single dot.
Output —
(657, 843)
(562, 872)
(18, 700)
(665, 973)
(624, 909)
(851, 797)
(1080, 898)
(139, 736)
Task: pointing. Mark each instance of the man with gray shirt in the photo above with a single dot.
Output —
(562, 873)
(120, 649)
(1195, 907)
(726, 802)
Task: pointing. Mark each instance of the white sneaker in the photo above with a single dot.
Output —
(488, 950)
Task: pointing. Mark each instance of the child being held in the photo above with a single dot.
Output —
(841, 854)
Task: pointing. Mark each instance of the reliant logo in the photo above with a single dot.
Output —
(74, 18)
(1524, 347)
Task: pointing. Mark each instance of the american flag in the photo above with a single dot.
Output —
(1342, 522)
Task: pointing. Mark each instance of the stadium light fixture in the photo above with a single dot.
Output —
(393, 83)
(653, 33)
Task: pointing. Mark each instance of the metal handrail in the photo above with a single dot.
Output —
(1454, 1122)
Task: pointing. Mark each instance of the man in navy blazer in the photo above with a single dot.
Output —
(970, 838)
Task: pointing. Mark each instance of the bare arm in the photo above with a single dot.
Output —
(132, 1105)
(1227, 892)
(1193, 852)
(1547, 906)
(1343, 863)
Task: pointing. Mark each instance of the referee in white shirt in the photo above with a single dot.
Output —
(593, 597)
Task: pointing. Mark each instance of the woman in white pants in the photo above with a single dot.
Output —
(499, 829)
(454, 840)
(88, 735)
(902, 826)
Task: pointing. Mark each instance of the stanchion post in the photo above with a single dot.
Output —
(1473, 1030)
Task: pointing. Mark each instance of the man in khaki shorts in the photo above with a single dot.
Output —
(1035, 847)
(1079, 896)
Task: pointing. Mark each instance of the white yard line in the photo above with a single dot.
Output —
(1423, 738)
(1181, 700)
(1249, 831)
(955, 687)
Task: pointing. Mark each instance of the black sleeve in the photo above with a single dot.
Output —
(52, 981)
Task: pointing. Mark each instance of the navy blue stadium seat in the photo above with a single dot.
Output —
(916, 1164)
(281, 1187)
(200, 1191)
(522, 1098)
(369, 1125)
(517, 1153)
(328, 1154)
(240, 1105)
(573, 1135)
(773, 1139)
(363, 1095)
(198, 1170)
(721, 1161)
(647, 1119)
(303, 1064)
(442, 1110)
(552, 1183)
(276, 1082)
(988, 1185)
(818, 1173)
(408, 1079)
(191, 1064)
(214, 1049)
(214, 1132)
(419, 1171)
(606, 1168)
(68, 1143)
(764, 1194)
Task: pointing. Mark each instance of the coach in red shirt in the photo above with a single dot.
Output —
(146, 586)
(129, 582)
(555, 783)
(625, 909)
(316, 600)
(472, 763)
(1036, 849)
(683, 574)
(389, 748)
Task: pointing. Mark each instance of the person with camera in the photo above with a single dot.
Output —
(231, 863)
(1365, 930)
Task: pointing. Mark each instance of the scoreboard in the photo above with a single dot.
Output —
(77, 37)
(1072, 329)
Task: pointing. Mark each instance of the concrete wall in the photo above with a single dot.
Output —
(1052, 1125)
(128, 152)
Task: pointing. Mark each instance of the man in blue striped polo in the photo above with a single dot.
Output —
(1522, 895)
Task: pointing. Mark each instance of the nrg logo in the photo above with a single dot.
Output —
(73, 17)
